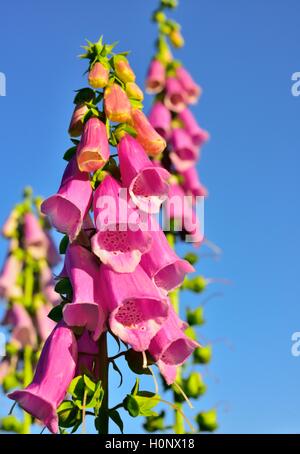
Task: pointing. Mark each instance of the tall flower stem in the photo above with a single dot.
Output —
(28, 373)
(104, 365)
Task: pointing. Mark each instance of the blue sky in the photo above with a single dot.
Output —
(243, 54)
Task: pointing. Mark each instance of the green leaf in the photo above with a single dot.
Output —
(116, 368)
(131, 405)
(56, 313)
(67, 414)
(75, 141)
(77, 387)
(115, 416)
(63, 244)
(135, 362)
(89, 383)
(64, 286)
(84, 95)
(69, 153)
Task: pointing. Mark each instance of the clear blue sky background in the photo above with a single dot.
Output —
(243, 54)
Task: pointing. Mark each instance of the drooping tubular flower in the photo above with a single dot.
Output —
(98, 75)
(192, 90)
(160, 118)
(35, 239)
(8, 278)
(55, 371)
(86, 309)
(93, 149)
(116, 104)
(171, 346)
(23, 330)
(119, 241)
(147, 184)
(76, 123)
(67, 209)
(88, 355)
(150, 140)
(198, 135)
(156, 77)
(137, 309)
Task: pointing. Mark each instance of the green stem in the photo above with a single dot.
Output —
(103, 367)
(28, 373)
(28, 285)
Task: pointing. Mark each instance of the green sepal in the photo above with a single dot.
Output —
(84, 95)
(116, 418)
(68, 414)
(63, 244)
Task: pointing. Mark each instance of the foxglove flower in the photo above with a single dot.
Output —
(171, 346)
(98, 75)
(183, 146)
(93, 150)
(23, 330)
(192, 90)
(67, 209)
(150, 140)
(147, 183)
(116, 104)
(76, 123)
(44, 324)
(191, 183)
(160, 118)
(175, 98)
(54, 373)
(198, 135)
(123, 70)
(53, 257)
(8, 278)
(119, 242)
(47, 285)
(162, 264)
(86, 309)
(137, 309)
(156, 77)
(88, 355)
(133, 91)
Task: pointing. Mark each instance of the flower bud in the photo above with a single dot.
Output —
(98, 75)
(194, 385)
(123, 69)
(197, 284)
(155, 423)
(76, 124)
(159, 16)
(207, 420)
(133, 91)
(176, 38)
(202, 355)
(116, 104)
(150, 140)
(195, 317)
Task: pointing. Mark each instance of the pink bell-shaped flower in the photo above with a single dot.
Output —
(175, 98)
(198, 135)
(116, 104)
(147, 184)
(119, 241)
(76, 124)
(191, 183)
(137, 309)
(54, 373)
(192, 90)
(150, 140)
(86, 309)
(156, 77)
(67, 209)
(160, 118)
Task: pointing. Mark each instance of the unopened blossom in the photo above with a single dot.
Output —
(98, 75)
(93, 149)
(54, 373)
(150, 140)
(76, 123)
(147, 183)
(116, 104)
(156, 77)
(67, 209)
(133, 91)
(119, 241)
(123, 69)
(137, 308)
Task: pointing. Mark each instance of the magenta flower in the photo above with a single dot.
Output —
(35, 239)
(147, 184)
(76, 123)
(86, 309)
(156, 77)
(160, 118)
(53, 257)
(198, 135)
(67, 209)
(44, 324)
(191, 183)
(163, 265)
(137, 309)
(47, 285)
(168, 372)
(88, 355)
(175, 98)
(23, 330)
(8, 278)
(183, 145)
(119, 242)
(93, 150)
(170, 345)
(193, 91)
(54, 373)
